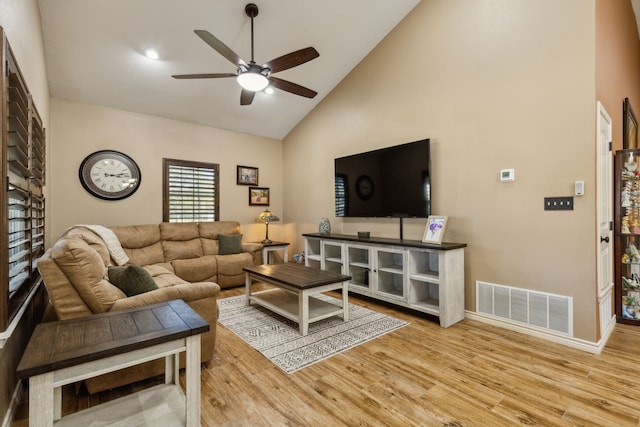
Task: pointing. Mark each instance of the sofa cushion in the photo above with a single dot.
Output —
(201, 269)
(141, 243)
(85, 270)
(181, 250)
(131, 279)
(230, 244)
(230, 267)
(209, 232)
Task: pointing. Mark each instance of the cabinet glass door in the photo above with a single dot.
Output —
(627, 233)
(390, 273)
(359, 267)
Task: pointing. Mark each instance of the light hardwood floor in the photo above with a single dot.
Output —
(470, 374)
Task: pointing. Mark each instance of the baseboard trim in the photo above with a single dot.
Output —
(584, 345)
(13, 405)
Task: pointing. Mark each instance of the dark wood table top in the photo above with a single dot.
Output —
(61, 344)
(274, 243)
(296, 275)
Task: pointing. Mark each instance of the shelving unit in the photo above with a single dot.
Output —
(409, 273)
(627, 236)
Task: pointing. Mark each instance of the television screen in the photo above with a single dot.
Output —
(390, 182)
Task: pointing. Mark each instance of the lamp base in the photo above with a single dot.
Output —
(266, 241)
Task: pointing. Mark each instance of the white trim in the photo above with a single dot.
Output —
(6, 334)
(580, 344)
(13, 405)
(605, 292)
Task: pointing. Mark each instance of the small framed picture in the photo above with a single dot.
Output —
(434, 232)
(258, 196)
(247, 175)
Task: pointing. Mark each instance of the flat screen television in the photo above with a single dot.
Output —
(389, 182)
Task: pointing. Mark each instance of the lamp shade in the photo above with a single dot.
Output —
(267, 217)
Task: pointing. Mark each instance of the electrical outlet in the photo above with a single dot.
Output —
(558, 203)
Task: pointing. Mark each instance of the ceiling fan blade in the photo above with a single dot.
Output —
(292, 59)
(290, 87)
(246, 97)
(203, 76)
(219, 46)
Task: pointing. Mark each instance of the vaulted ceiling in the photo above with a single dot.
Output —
(94, 52)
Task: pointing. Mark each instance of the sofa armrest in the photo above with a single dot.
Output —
(186, 291)
(255, 249)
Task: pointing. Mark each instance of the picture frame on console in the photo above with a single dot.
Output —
(258, 196)
(629, 126)
(247, 175)
(434, 231)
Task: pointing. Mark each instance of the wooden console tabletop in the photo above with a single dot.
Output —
(71, 350)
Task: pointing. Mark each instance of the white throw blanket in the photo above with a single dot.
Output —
(110, 240)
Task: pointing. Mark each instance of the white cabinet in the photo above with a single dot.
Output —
(422, 277)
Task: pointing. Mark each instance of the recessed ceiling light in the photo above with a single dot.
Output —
(151, 54)
(269, 90)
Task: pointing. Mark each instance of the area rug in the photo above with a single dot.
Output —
(279, 339)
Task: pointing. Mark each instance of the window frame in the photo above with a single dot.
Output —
(167, 164)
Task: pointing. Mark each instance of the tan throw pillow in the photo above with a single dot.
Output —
(230, 244)
(131, 279)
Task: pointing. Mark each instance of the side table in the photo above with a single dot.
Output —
(267, 248)
(72, 350)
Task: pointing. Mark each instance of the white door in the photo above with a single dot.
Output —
(604, 180)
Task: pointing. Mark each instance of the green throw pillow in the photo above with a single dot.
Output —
(230, 244)
(131, 279)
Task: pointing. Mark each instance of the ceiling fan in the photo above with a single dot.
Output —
(253, 77)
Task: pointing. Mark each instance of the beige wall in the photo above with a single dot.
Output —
(617, 61)
(495, 84)
(20, 20)
(80, 129)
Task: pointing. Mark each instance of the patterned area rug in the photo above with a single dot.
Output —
(279, 339)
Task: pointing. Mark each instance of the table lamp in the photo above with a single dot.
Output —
(267, 217)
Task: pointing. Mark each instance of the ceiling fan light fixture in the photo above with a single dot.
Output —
(253, 77)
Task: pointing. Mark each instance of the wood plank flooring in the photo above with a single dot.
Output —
(470, 374)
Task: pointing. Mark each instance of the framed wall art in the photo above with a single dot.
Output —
(434, 231)
(247, 175)
(629, 126)
(258, 196)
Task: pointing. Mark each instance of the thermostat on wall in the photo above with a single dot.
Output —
(507, 175)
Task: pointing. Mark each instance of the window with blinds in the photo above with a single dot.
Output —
(190, 191)
(341, 195)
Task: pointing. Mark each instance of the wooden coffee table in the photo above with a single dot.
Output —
(295, 285)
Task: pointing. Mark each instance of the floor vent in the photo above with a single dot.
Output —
(538, 309)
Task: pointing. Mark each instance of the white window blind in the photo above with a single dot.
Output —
(191, 191)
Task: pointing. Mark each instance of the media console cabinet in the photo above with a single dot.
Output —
(424, 277)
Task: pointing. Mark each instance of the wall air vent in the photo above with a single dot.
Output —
(537, 309)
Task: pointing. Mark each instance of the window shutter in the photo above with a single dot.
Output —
(191, 191)
(341, 195)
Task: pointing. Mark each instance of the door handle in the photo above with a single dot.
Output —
(604, 239)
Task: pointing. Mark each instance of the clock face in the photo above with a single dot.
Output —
(109, 175)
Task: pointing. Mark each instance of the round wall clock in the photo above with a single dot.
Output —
(364, 187)
(109, 175)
